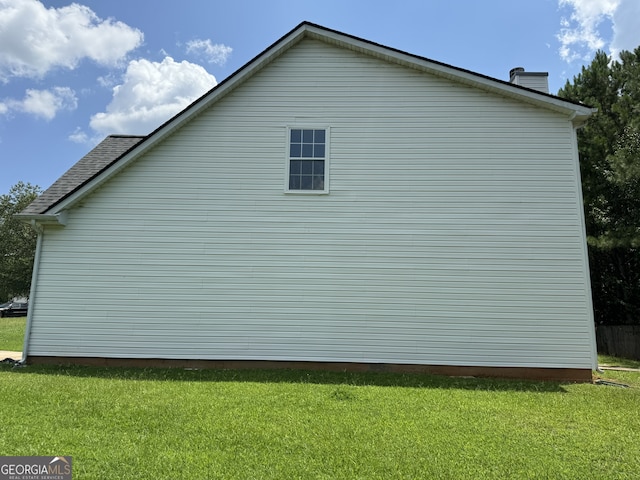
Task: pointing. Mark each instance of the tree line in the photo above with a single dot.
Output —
(609, 148)
(17, 242)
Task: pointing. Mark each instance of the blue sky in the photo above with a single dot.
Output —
(70, 74)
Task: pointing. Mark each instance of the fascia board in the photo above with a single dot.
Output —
(44, 218)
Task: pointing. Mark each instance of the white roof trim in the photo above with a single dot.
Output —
(44, 218)
(576, 113)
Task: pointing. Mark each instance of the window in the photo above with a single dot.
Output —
(307, 161)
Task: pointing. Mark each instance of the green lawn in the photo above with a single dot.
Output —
(201, 424)
(12, 333)
(632, 378)
(158, 423)
(608, 360)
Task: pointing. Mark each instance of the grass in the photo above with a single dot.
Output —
(630, 378)
(12, 333)
(616, 361)
(172, 423)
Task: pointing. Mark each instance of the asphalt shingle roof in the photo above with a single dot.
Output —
(98, 159)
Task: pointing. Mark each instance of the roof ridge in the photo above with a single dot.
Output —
(124, 135)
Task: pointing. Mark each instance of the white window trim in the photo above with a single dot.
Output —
(327, 155)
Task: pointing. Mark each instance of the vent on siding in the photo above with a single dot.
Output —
(534, 80)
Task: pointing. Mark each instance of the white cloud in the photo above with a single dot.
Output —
(108, 81)
(626, 27)
(213, 53)
(580, 34)
(151, 93)
(43, 103)
(34, 39)
(78, 136)
(46, 103)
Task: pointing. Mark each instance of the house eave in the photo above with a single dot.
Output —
(580, 118)
(42, 219)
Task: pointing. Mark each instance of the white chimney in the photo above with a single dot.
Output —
(534, 80)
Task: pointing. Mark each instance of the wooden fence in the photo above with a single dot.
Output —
(619, 340)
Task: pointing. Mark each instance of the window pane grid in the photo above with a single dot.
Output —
(307, 143)
(307, 148)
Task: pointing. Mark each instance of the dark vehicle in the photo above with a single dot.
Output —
(14, 309)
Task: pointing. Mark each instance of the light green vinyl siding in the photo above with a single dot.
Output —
(452, 233)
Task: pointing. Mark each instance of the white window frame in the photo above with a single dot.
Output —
(327, 143)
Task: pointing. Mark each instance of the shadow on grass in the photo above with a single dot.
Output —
(411, 380)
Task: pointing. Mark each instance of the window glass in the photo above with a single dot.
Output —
(307, 168)
(295, 167)
(296, 150)
(307, 150)
(307, 136)
(306, 183)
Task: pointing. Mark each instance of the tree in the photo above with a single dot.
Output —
(609, 148)
(17, 241)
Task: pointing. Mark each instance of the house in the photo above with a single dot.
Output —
(333, 204)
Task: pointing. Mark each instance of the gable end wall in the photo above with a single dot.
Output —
(451, 236)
